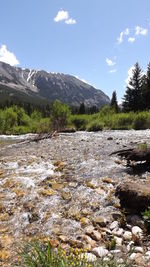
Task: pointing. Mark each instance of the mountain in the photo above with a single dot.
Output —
(34, 85)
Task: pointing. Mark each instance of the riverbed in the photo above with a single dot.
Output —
(55, 187)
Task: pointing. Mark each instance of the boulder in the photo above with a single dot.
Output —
(134, 196)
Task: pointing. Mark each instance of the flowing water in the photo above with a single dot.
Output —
(48, 188)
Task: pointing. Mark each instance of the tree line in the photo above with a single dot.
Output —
(137, 95)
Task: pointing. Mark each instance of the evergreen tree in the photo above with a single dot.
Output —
(146, 89)
(132, 100)
(114, 102)
(82, 108)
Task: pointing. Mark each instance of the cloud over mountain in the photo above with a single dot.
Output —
(7, 56)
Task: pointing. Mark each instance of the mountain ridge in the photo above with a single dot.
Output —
(50, 86)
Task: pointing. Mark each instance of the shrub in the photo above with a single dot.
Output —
(60, 115)
(80, 121)
(95, 126)
(10, 119)
(141, 122)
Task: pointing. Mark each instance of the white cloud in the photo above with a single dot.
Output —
(113, 71)
(70, 21)
(110, 62)
(120, 38)
(63, 15)
(140, 31)
(130, 74)
(7, 56)
(131, 39)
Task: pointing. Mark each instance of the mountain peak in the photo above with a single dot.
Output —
(50, 86)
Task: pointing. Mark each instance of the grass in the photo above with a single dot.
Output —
(142, 147)
(41, 255)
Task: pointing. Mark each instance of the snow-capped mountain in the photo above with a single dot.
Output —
(49, 86)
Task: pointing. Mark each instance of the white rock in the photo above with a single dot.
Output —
(105, 259)
(127, 235)
(147, 255)
(139, 250)
(118, 232)
(130, 246)
(115, 251)
(100, 251)
(114, 225)
(120, 261)
(118, 240)
(132, 256)
(137, 231)
(89, 257)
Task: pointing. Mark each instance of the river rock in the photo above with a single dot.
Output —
(66, 195)
(108, 180)
(118, 232)
(84, 221)
(101, 221)
(76, 243)
(130, 246)
(63, 238)
(89, 241)
(127, 235)
(100, 252)
(132, 256)
(89, 229)
(139, 260)
(1, 173)
(47, 192)
(134, 196)
(137, 232)
(118, 240)
(114, 225)
(89, 257)
(139, 250)
(147, 255)
(96, 235)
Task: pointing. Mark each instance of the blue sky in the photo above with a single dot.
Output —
(96, 40)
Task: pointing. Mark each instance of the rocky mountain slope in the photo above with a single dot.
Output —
(35, 84)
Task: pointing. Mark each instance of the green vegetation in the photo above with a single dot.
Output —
(60, 115)
(41, 255)
(142, 147)
(14, 120)
(146, 218)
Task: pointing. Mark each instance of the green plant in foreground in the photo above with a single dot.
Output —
(142, 147)
(146, 218)
(41, 255)
(110, 245)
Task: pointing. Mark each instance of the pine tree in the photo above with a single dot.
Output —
(82, 108)
(114, 102)
(146, 89)
(132, 100)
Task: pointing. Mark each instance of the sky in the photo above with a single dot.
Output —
(97, 41)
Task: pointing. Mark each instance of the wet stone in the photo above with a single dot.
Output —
(99, 220)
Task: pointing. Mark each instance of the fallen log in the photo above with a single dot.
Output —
(43, 136)
(134, 155)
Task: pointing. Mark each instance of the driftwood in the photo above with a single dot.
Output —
(37, 138)
(43, 136)
(134, 155)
